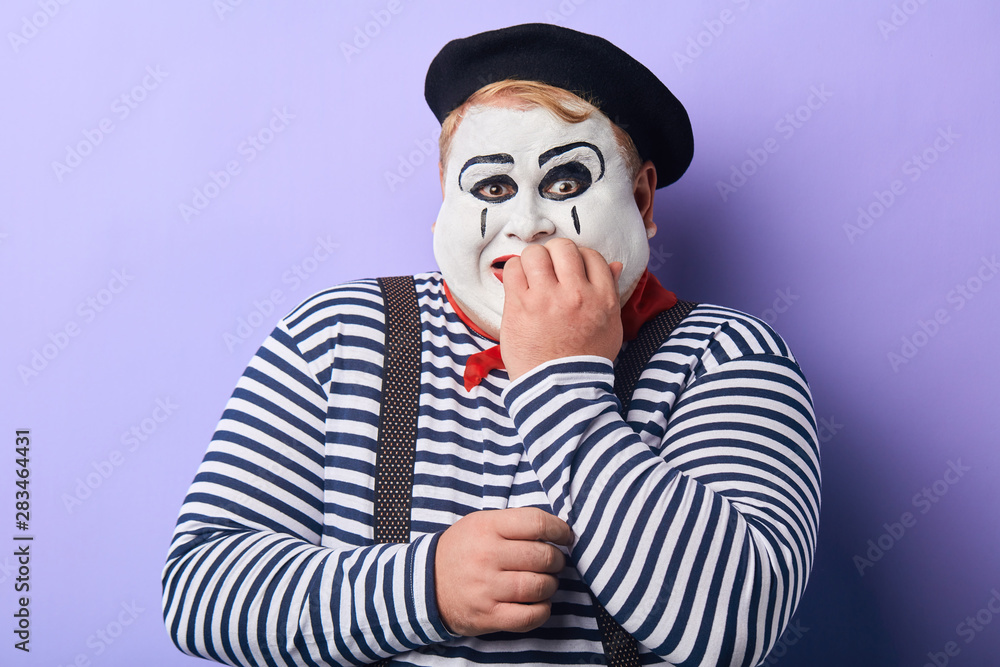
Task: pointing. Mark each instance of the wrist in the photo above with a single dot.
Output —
(590, 369)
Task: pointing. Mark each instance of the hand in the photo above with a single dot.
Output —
(560, 300)
(494, 571)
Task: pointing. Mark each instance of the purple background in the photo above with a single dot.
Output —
(775, 247)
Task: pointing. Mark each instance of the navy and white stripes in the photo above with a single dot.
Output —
(695, 520)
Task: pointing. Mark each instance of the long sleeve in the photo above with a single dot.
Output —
(695, 520)
(246, 581)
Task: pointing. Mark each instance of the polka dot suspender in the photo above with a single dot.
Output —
(397, 431)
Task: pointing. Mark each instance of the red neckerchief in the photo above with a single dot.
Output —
(648, 300)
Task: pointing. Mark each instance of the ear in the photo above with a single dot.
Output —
(645, 188)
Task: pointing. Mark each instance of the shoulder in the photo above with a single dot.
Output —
(712, 336)
(715, 358)
(351, 304)
(733, 331)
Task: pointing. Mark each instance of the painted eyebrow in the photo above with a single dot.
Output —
(559, 150)
(496, 158)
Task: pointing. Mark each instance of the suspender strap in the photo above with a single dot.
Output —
(397, 429)
(397, 433)
(620, 648)
(638, 353)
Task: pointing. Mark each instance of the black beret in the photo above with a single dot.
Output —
(590, 66)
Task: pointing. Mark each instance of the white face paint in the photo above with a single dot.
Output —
(516, 177)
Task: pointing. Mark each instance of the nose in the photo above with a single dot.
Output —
(528, 222)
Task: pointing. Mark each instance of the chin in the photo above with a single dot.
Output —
(484, 313)
(629, 278)
(486, 319)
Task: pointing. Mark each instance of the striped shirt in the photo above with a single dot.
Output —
(695, 519)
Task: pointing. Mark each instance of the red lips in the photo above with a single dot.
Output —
(498, 266)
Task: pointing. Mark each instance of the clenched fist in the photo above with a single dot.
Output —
(494, 570)
(560, 300)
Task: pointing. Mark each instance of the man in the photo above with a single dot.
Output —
(692, 520)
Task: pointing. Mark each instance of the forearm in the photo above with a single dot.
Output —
(700, 544)
(254, 574)
(257, 597)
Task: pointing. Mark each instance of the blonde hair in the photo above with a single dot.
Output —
(518, 94)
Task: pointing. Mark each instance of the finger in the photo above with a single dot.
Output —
(567, 262)
(599, 273)
(616, 270)
(516, 617)
(596, 266)
(525, 587)
(616, 275)
(514, 280)
(531, 523)
(530, 556)
(537, 265)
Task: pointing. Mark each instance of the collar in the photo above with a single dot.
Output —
(648, 300)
